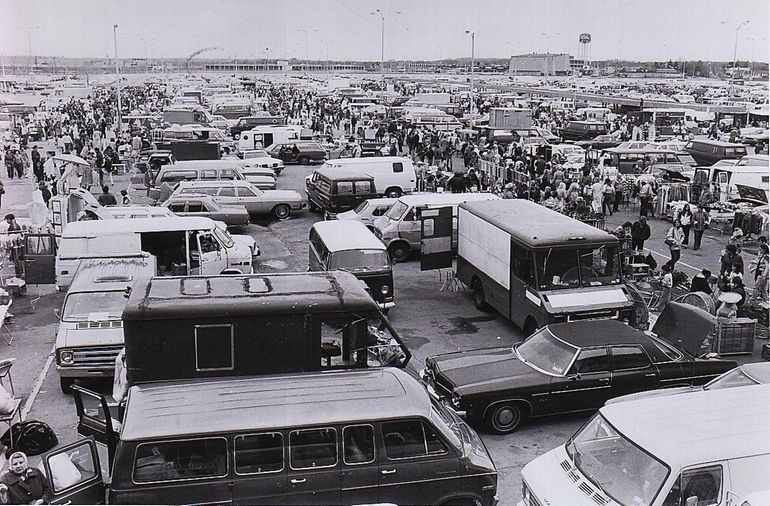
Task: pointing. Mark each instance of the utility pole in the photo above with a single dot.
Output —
(473, 61)
(735, 48)
(117, 74)
(378, 12)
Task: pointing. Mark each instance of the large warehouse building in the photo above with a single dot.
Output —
(540, 64)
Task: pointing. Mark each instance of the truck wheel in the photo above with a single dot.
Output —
(281, 211)
(398, 252)
(66, 384)
(478, 295)
(505, 417)
(303, 160)
(393, 193)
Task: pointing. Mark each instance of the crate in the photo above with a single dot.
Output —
(735, 337)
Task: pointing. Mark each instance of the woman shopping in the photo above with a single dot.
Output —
(674, 240)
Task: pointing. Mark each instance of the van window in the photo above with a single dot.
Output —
(398, 167)
(214, 347)
(259, 453)
(227, 174)
(313, 448)
(345, 188)
(358, 444)
(704, 483)
(522, 264)
(628, 357)
(177, 207)
(410, 438)
(181, 460)
(362, 186)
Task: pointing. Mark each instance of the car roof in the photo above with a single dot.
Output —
(697, 427)
(226, 405)
(339, 235)
(592, 333)
(445, 198)
(758, 371)
(537, 225)
(162, 298)
(332, 172)
(214, 182)
(369, 160)
(713, 142)
(108, 227)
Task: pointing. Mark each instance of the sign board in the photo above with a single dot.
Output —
(435, 238)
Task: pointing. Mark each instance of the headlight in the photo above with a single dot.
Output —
(66, 357)
(384, 289)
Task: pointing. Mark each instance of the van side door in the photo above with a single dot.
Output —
(74, 474)
(314, 475)
(212, 260)
(95, 419)
(360, 471)
(260, 464)
(416, 465)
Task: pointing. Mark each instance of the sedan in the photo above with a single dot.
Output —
(564, 368)
(204, 205)
(279, 203)
(298, 152)
(599, 142)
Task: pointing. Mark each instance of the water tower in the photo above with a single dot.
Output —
(584, 51)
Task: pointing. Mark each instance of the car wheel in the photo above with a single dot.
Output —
(505, 417)
(66, 385)
(281, 211)
(398, 252)
(393, 193)
(478, 295)
(303, 160)
(530, 326)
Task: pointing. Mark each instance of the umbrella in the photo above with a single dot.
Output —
(71, 159)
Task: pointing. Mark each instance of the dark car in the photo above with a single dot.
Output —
(300, 152)
(582, 130)
(338, 189)
(574, 366)
(599, 142)
(248, 122)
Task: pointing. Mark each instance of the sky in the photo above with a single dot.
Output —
(414, 29)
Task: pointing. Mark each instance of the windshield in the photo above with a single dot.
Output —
(255, 154)
(359, 260)
(224, 236)
(543, 351)
(94, 306)
(730, 379)
(397, 211)
(570, 268)
(614, 464)
(360, 209)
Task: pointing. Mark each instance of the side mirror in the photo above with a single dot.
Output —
(57, 312)
(574, 377)
(691, 501)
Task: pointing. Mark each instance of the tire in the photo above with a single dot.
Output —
(66, 384)
(282, 211)
(303, 160)
(399, 252)
(393, 193)
(505, 417)
(479, 300)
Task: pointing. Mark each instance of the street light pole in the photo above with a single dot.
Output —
(548, 38)
(382, 41)
(117, 74)
(473, 61)
(735, 48)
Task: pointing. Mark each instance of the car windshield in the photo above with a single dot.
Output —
(360, 209)
(730, 379)
(94, 306)
(397, 211)
(616, 465)
(255, 154)
(360, 260)
(545, 352)
(571, 268)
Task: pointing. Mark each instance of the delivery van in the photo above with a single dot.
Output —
(182, 245)
(90, 331)
(393, 175)
(701, 448)
(400, 229)
(342, 437)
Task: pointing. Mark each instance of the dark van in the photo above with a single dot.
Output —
(709, 152)
(336, 189)
(582, 130)
(346, 437)
(349, 246)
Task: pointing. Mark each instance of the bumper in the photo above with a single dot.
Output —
(85, 372)
(386, 305)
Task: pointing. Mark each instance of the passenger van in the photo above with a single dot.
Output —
(350, 246)
(708, 152)
(210, 170)
(393, 175)
(730, 178)
(90, 331)
(582, 130)
(343, 437)
(701, 448)
(337, 189)
(624, 160)
(182, 246)
(400, 228)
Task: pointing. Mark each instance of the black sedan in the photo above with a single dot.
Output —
(566, 367)
(301, 152)
(599, 142)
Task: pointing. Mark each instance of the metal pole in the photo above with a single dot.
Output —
(117, 74)
(735, 48)
(473, 63)
(29, 45)
(382, 48)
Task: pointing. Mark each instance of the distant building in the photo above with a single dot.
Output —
(535, 64)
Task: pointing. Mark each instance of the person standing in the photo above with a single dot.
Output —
(23, 484)
(37, 164)
(700, 221)
(667, 284)
(685, 218)
(645, 198)
(608, 197)
(674, 241)
(640, 232)
(106, 198)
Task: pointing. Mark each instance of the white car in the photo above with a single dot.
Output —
(366, 212)
(261, 158)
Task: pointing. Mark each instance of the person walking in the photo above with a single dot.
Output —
(685, 218)
(674, 240)
(700, 221)
(667, 285)
(608, 197)
(640, 232)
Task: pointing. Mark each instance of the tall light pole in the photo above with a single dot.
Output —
(117, 74)
(548, 39)
(473, 62)
(735, 48)
(29, 30)
(378, 12)
(753, 48)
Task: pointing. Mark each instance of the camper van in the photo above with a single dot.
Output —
(182, 246)
(265, 136)
(393, 175)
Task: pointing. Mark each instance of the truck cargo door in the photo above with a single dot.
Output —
(40, 258)
(435, 238)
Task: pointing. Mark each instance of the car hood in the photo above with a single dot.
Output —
(286, 195)
(684, 326)
(654, 393)
(246, 240)
(70, 337)
(485, 370)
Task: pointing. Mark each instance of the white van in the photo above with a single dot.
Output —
(182, 245)
(400, 229)
(90, 333)
(393, 175)
(264, 136)
(703, 448)
(750, 171)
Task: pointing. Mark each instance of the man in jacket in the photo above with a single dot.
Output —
(640, 232)
(645, 198)
(700, 221)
